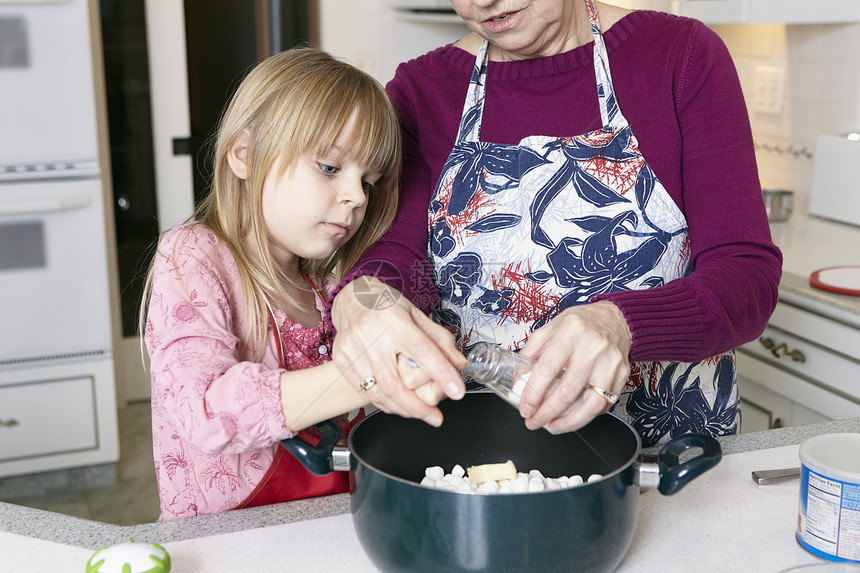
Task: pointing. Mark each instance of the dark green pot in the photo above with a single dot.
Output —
(404, 526)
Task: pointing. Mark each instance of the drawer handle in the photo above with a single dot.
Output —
(10, 423)
(795, 355)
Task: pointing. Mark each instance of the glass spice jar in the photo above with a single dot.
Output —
(504, 371)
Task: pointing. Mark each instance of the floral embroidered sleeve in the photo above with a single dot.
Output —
(205, 385)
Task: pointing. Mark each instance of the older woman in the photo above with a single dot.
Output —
(582, 180)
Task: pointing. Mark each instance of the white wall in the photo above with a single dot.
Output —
(821, 63)
(375, 38)
(353, 30)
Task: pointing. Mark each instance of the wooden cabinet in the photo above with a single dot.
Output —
(57, 416)
(805, 368)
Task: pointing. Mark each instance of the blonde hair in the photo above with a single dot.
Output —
(294, 103)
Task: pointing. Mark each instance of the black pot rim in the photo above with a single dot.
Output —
(637, 455)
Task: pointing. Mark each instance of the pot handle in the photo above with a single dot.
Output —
(675, 474)
(318, 459)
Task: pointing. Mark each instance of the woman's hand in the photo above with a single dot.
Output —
(591, 343)
(378, 326)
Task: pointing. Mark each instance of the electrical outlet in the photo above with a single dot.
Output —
(769, 89)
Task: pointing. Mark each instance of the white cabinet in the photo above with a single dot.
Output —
(659, 5)
(753, 11)
(805, 368)
(57, 416)
(768, 11)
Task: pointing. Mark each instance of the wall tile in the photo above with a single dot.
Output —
(805, 81)
(822, 93)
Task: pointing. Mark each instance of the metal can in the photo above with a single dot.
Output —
(828, 523)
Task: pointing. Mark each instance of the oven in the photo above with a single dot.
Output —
(57, 394)
(53, 271)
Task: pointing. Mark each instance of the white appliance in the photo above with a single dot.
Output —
(57, 395)
(835, 183)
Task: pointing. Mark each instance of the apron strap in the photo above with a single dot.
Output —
(473, 108)
(610, 113)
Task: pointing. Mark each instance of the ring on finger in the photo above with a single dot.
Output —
(367, 383)
(605, 394)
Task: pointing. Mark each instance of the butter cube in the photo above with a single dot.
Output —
(494, 472)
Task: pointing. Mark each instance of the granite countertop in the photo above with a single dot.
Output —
(809, 243)
(44, 525)
(796, 290)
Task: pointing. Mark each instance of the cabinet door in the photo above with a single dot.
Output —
(762, 409)
(47, 417)
(816, 399)
(803, 369)
(809, 359)
(755, 418)
(58, 415)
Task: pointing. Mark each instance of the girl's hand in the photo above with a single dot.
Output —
(591, 342)
(415, 379)
(377, 326)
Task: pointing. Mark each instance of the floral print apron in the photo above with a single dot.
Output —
(518, 233)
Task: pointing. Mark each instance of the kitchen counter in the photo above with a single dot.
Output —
(809, 243)
(796, 290)
(721, 517)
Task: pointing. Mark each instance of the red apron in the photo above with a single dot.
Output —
(287, 479)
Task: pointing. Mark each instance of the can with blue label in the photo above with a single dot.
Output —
(828, 522)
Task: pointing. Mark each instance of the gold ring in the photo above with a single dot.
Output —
(605, 394)
(367, 383)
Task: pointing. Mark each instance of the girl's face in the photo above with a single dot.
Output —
(318, 204)
(521, 29)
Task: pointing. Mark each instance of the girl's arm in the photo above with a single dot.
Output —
(311, 395)
(315, 394)
(210, 389)
(206, 385)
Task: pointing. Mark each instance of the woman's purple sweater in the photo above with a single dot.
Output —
(677, 86)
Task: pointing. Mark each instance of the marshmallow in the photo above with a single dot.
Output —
(459, 480)
(435, 473)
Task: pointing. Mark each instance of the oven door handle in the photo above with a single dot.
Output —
(46, 205)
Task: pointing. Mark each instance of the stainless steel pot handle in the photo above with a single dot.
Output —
(330, 454)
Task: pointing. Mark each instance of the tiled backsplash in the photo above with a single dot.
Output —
(821, 66)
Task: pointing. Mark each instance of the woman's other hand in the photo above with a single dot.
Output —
(375, 326)
(591, 343)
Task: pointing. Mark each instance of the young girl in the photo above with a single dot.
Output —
(305, 179)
